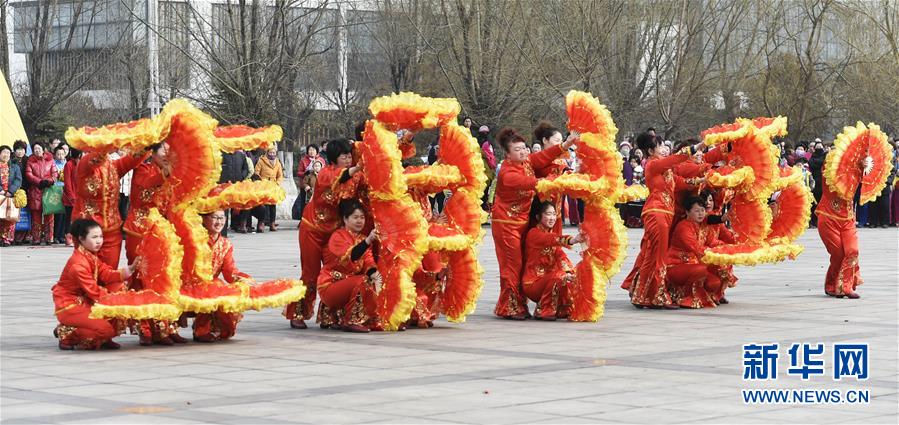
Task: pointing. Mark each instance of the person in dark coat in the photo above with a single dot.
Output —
(234, 169)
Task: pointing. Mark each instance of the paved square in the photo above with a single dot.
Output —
(632, 367)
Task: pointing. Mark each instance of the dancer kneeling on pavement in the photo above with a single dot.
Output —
(83, 281)
(349, 282)
(692, 283)
(548, 271)
(218, 325)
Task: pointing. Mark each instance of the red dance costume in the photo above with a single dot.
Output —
(79, 287)
(219, 324)
(515, 189)
(545, 272)
(554, 169)
(646, 281)
(691, 283)
(36, 170)
(98, 198)
(344, 285)
(836, 226)
(319, 221)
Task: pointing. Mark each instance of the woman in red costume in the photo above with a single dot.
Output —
(515, 189)
(219, 325)
(715, 219)
(97, 197)
(836, 227)
(146, 193)
(646, 282)
(79, 287)
(692, 284)
(336, 182)
(548, 270)
(349, 279)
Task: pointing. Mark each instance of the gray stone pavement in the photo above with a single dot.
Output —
(632, 367)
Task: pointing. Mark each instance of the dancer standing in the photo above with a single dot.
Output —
(335, 182)
(646, 282)
(515, 191)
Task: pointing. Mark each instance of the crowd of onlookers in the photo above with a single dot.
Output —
(38, 191)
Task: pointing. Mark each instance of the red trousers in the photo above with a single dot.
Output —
(508, 240)
(694, 285)
(427, 289)
(87, 333)
(312, 245)
(841, 241)
(551, 295)
(647, 285)
(354, 297)
(112, 248)
(219, 324)
(41, 227)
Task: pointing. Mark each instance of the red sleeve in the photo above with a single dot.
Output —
(83, 274)
(688, 237)
(726, 235)
(68, 173)
(127, 163)
(514, 179)
(229, 267)
(714, 155)
(29, 174)
(680, 184)
(667, 163)
(107, 274)
(407, 149)
(539, 239)
(301, 169)
(545, 157)
(340, 245)
(692, 169)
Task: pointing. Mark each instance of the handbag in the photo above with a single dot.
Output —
(8, 210)
(24, 223)
(51, 201)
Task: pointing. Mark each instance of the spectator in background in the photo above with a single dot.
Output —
(440, 197)
(10, 182)
(639, 154)
(651, 131)
(815, 166)
(60, 226)
(467, 123)
(487, 147)
(894, 205)
(304, 167)
(234, 169)
(536, 147)
(269, 168)
(629, 166)
(69, 190)
(41, 173)
(625, 149)
(20, 159)
(880, 206)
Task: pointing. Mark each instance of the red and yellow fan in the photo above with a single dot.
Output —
(433, 178)
(750, 253)
(862, 156)
(160, 271)
(274, 293)
(194, 156)
(587, 115)
(134, 135)
(242, 195)
(464, 285)
(231, 138)
(413, 112)
(207, 296)
(792, 209)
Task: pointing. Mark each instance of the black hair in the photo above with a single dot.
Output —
(359, 130)
(545, 130)
(466, 117)
(348, 206)
(650, 129)
(20, 144)
(508, 135)
(60, 147)
(694, 200)
(4, 147)
(313, 145)
(539, 207)
(74, 153)
(337, 147)
(81, 227)
(155, 147)
(41, 144)
(646, 142)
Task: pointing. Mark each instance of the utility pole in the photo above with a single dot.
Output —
(153, 55)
